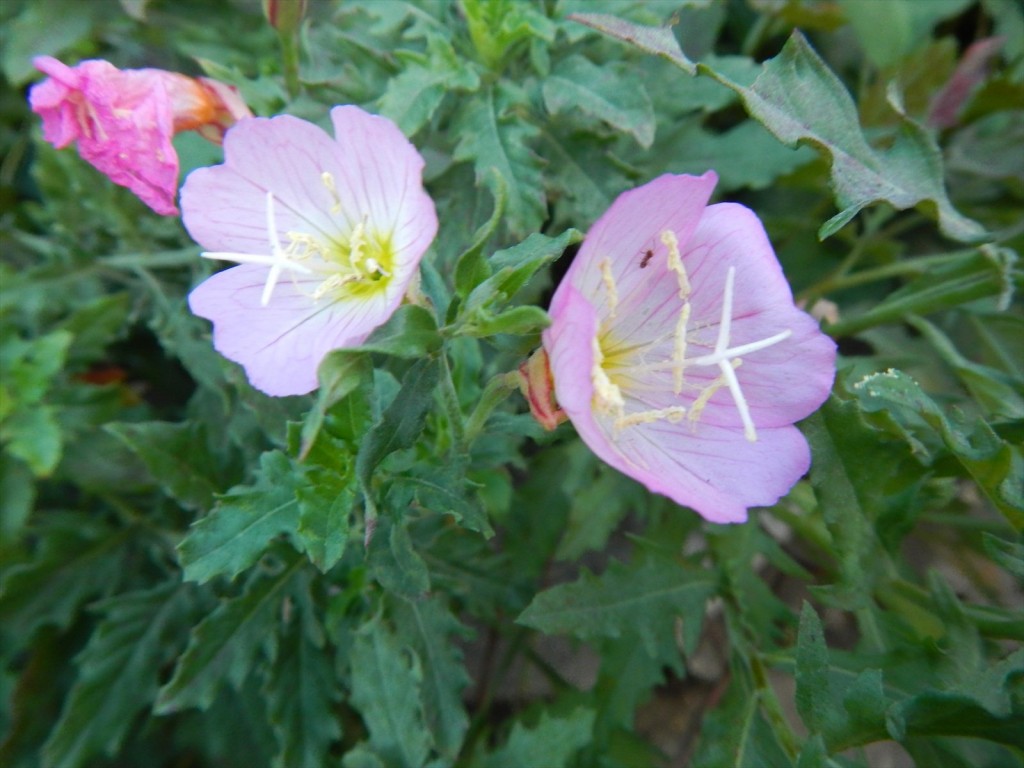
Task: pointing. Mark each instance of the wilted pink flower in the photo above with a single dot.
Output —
(123, 120)
(328, 233)
(678, 355)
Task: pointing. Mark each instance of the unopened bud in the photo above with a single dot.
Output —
(284, 15)
(538, 387)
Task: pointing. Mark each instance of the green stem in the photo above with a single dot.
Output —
(913, 267)
(496, 391)
(450, 399)
(290, 62)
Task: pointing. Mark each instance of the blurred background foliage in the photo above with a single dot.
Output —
(188, 574)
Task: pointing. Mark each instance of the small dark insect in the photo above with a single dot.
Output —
(648, 255)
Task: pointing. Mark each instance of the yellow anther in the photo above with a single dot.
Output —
(675, 263)
(608, 395)
(674, 414)
(609, 285)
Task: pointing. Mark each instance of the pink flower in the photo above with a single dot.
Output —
(678, 355)
(123, 120)
(329, 233)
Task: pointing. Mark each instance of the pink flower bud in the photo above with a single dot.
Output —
(123, 120)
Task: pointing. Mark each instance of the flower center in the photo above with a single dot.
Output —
(354, 265)
(613, 366)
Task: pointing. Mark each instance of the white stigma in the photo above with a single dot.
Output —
(278, 259)
(724, 355)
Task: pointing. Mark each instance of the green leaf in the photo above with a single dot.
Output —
(639, 600)
(906, 410)
(394, 561)
(224, 644)
(428, 623)
(1008, 554)
(736, 734)
(302, 690)
(798, 98)
(977, 274)
(341, 372)
(551, 742)
(31, 366)
(326, 501)
(471, 268)
(177, 457)
(657, 40)
(386, 689)
(445, 491)
(238, 530)
(604, 92)
(492, 135)
(744, 156)
(33, 435)
(517, 321)
(401, 423)
(139, 633)
(813, 695)
(513, 268)
(78, 560)
(962, 713)
(848, 472)
(889, 31)
(414, 95)
(410, 332)
(95, 325)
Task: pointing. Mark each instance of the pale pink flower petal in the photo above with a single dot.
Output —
(123, 120)
(328, 232)
(678, 355)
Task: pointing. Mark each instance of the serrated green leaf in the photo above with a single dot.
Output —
(638, 600)
(493, 136)
(386, 689)
(33, 435)
(342, 371)
(401, 423)
(798, 98)
(301, 690)
(238, 530)
(414, 95)
(814, 697)
(410, 332)
(394, 562)
(326, 501)
(177, 457)
(428, 624)
(996, 466)
(445, 491)
(224, 645)
(139, 633)
(737, 735)
(603, 92)
(956, 713)
(513, 268)
(517, 321)
(551, 742)
(79, 560)
(657, 40)
(849, 471)
(471, 268)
